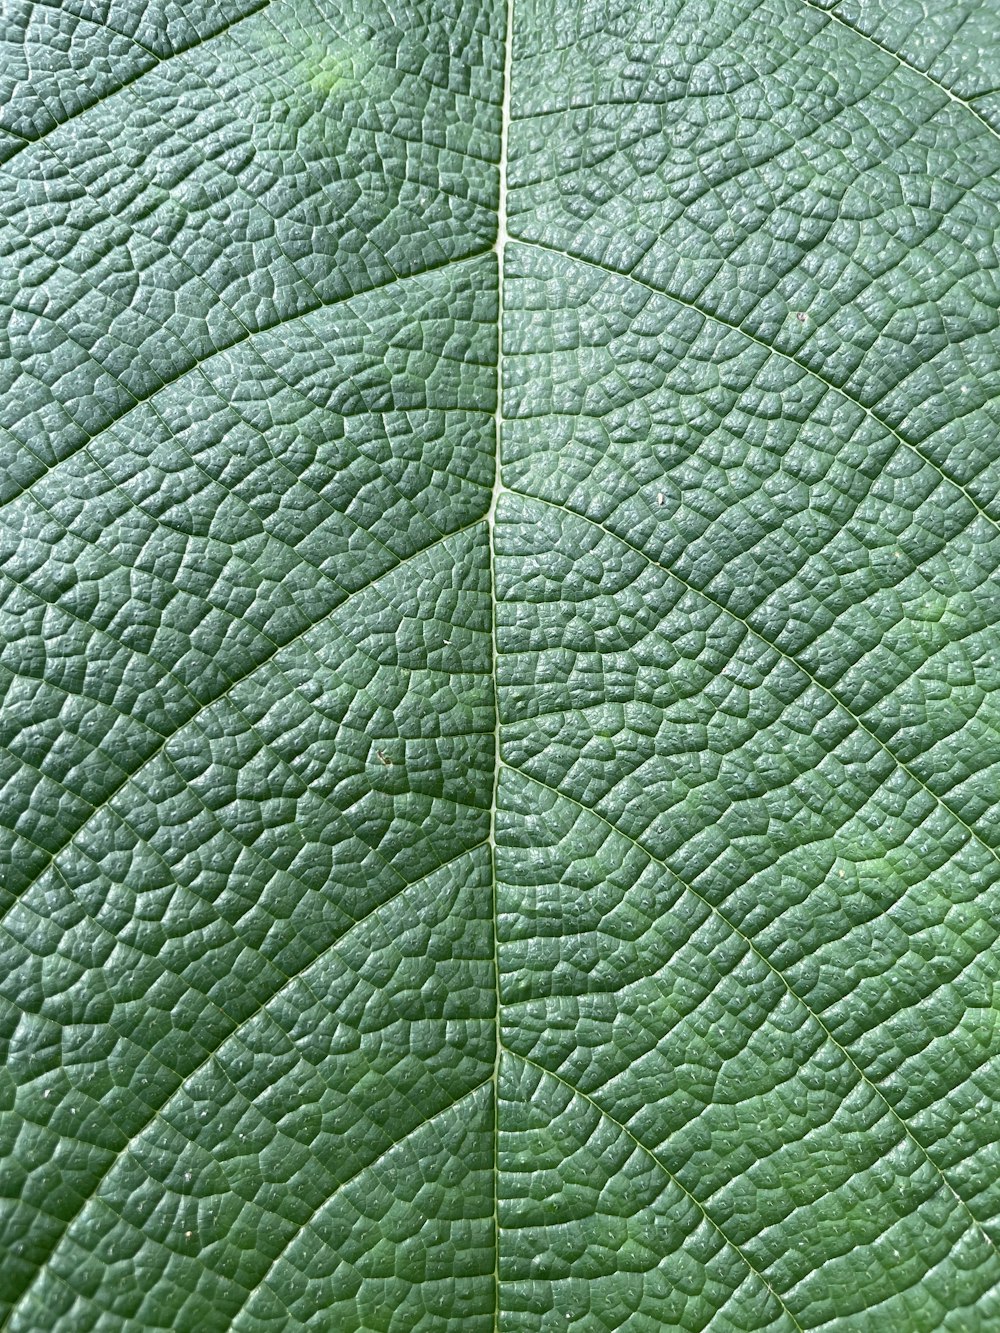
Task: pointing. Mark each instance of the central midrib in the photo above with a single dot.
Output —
(501, 242)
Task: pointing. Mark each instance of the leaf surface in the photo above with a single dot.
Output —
(500, 778)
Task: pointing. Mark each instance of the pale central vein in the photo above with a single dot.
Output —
(501, 242)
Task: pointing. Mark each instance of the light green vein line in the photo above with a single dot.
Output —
(716, 911)
(662, 1166)
(495, 647)
(232, 1036)
(199, 364)
(238, 680)
(782, 653)
(28, 141)
(705, 313)
(347, 1183)
(949, 93)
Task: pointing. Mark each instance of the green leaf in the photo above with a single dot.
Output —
(499, 821)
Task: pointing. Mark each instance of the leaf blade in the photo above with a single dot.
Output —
(441, 900)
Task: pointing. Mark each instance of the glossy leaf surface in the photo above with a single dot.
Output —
(499, 819)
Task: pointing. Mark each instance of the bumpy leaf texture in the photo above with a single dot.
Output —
(500, 780)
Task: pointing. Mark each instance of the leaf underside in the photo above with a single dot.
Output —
(500, 788)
